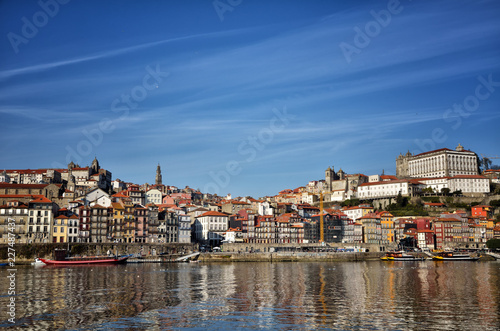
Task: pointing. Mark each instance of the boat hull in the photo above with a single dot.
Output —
(86, 261)
(465, 258)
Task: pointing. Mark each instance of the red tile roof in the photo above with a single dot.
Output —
(212, 213)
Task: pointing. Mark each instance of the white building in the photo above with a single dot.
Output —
(4, 178)
(118, 185)
(153, 196)
(355, 213)
(265, 208)
(468, 184)
(97, 197)
(73, 229)
(210, 227)
(442, 162)
(184, 229)
(388, 189)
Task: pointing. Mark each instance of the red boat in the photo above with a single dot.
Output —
(61, 259)
(87, 260)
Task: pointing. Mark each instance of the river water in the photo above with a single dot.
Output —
(372, 295)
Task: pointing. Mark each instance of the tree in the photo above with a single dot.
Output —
(493, 244)
(445, 191)
(484, 164)
(401, 201)
(428, 190)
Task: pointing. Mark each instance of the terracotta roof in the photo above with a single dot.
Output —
(212, 213)
(23, 186)
(41, 199)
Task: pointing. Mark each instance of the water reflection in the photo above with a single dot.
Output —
(377, 295)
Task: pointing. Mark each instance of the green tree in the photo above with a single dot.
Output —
(445, 191)
(428, 190)
(493, 244)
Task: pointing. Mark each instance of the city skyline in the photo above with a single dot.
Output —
(246, 98)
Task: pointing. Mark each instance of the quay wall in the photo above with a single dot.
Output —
(290, 257)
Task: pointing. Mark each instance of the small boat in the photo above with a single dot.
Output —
(37, 262)
(400, 256)
(455, 256)
(3, 264)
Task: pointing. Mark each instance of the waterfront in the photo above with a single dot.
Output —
(324, 295)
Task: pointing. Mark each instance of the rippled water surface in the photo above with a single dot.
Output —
(301, 296)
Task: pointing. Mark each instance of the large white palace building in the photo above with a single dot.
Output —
(442, 162)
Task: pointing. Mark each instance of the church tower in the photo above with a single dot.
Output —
(158, 175)
(95, 166)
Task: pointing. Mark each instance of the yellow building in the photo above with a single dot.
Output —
(387, 224)
(129, 223)
(118, 222)
(60, 229)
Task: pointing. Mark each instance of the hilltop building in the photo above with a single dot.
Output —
(442, 162)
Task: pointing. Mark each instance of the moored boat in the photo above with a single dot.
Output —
(87, 260)
(61, 258)
(400, 256)
(455, 256)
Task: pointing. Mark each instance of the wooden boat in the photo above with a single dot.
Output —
(400, 256)
(455, 256)
(88, 260)
(3, 264)
(61, 258)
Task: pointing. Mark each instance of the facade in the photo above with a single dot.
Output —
(209, 227)
(482, 211)
(41, 215)
(116, 224)
(99, 224)
(469, 184)
(73, 229)
(442, 162)
(387, 227)
(136, 195)
(154, 223)
(389, 189)
(372, 230)
(448, 231)
(141, 222)
(60, 229)
(355, 213)
(425, 239)
(153, 196)
(184, 229)
(15, 212)
(129, 223)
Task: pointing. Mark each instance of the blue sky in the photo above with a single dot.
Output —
(245, 97)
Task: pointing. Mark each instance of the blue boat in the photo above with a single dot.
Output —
(3, 264)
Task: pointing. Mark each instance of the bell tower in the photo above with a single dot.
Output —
(158, 175)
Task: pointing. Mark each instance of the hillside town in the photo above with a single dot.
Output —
(445, 189)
